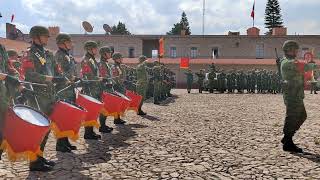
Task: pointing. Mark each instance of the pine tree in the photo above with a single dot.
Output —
(119, 29)
(183, 24)
(273, 16)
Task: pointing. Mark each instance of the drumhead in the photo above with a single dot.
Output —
(123, 96)
(91, 99)
(31, 116)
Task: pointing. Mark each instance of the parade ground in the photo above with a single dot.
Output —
(192, 136)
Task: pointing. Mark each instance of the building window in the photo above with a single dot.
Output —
(194, 52)
(215, 53)
(173, 52)
(260, 51)
(131, 52)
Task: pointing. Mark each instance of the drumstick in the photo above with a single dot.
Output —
(37, 84)
(31, 87)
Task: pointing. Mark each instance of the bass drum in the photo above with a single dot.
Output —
(24, 130)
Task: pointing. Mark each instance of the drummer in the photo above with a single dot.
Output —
(38, 68)
(65, 66)
(105, 72)
(119, 76)
(89, 69)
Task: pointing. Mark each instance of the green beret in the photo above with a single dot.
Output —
(104, 49)
(116, 56)
(90, 44)
(62, 38)
(37, 31)
(290, 45)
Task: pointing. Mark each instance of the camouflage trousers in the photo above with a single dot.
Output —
(142, 91)
(157, 90)
(295, 116)
(3, 108)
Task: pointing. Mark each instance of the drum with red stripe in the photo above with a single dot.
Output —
(24, 130)
(66, 119)
(135, 100)
(93, 106)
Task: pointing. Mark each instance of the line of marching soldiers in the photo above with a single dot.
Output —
(40, 80)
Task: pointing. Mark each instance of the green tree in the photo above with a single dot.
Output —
(273, 16)
(183, 24)
(119, 29)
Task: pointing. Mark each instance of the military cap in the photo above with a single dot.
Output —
(116, 56)
(90, 44)
(104, 49)
(290, 45)
(62, 38)
(36, 31)
(12, 52)
(142, 58)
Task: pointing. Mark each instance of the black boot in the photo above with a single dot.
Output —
(62, 146)
(47, 162)
(289, 146)
(39, 165)
(70, 146)
(119, 121)
(1, 151)
(141, 113)
(103, 128)
(90, 134)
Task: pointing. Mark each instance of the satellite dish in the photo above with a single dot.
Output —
(87, 26)
(107, 28)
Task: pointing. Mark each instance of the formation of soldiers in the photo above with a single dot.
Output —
(254, 81)
(22, 80)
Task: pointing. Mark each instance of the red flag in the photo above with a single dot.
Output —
(12, 17)
(184, 63)
(252, 12)
(161, 47)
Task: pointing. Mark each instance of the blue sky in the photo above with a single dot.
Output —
(156, 16)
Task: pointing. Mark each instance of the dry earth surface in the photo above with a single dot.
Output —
(192, 136)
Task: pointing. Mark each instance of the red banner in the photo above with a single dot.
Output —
(161, 47)
(184, 63)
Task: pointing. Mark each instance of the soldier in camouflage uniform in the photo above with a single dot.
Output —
(119, 76)
(142, 81)
(89, 69)
(157, 83)
(211, 79)
(293, 94)
(65, 66)
(201, 76)
(189, 80)
(106, 73)
(39, 68)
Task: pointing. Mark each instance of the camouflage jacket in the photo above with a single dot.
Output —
(90, 71)
(142, 74)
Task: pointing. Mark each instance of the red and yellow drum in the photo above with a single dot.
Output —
(115, 104)
(66, 120)
(24, 130)
(135, 100)
(93, 106)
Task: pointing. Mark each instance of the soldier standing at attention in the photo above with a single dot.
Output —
(66, 66)
(293, 94)
(89, 69)
(39, 68)
(201, 76)
(142, 82)
(106, 73)
(189, 80)
(119, 76)
(156, 83)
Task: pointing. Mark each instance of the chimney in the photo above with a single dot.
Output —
(279, 31)
(253, 31)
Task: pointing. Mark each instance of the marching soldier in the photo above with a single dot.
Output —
(89, 69)
(156, 83)
(39, 68)
(119, 75)
(189, 80)
(293, 94)
(106, 73)
(65, 66)
(142, 81)
(201, 76)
